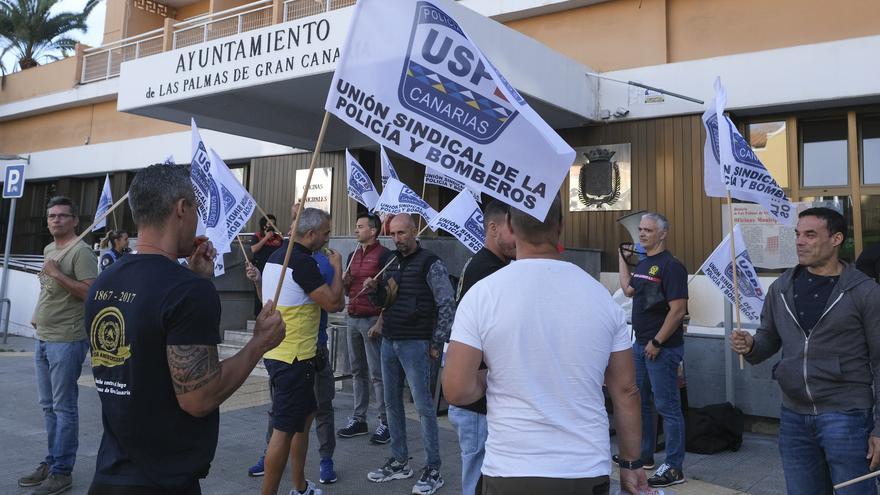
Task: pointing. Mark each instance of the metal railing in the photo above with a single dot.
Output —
(103, 62)
(297, 9)
(227, 23)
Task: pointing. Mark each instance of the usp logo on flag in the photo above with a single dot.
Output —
(446, 82)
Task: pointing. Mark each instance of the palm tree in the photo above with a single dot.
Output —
(33, 34)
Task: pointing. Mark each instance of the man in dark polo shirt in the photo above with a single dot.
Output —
(659, 291)
(153, 326)
(470, 420)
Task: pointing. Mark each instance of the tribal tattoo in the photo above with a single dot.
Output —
(192, 366)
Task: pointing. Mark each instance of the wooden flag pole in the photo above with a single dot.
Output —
(386, 265)
(115, 225)
(735, 283)
(302, 202)
(89, 229)
(857, 480)
(247, 261)
(423, 198)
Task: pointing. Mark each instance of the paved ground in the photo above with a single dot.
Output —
(755, 469)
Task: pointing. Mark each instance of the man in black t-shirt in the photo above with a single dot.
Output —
(659, 291)
(470, 421)
(153, 327)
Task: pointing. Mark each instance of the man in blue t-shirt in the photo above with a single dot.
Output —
(658, 287)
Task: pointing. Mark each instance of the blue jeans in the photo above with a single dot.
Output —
(58, 367)
(472, 431)
(820, 451)
(661, 377)
(409, 357)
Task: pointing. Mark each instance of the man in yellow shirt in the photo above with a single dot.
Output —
(290, 365)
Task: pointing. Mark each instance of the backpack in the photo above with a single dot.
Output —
(713, 428)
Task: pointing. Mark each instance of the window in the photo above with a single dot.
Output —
(768, 140)
(823, 152)
(870, 147)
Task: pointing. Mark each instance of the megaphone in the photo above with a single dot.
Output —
(633, 252)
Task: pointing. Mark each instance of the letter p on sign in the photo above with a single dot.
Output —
(13, 182)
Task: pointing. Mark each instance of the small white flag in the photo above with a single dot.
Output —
(463, 219)
(387, 168)
(104, 204)
(360, 187)
(398, 198)
(238, 205)
(435, 178)
(719, 269)
(731, 164)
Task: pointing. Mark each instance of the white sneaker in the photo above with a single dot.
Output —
(311, 489)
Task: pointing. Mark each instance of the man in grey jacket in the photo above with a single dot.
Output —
(825, 316)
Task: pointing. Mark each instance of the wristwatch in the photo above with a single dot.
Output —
(656, 343)
(636, 464)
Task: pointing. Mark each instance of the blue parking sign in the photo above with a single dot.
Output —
(13, 182)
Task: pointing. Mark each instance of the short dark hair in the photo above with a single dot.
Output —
(834, 221)
(155, 189)
(534, 231)
(373, 221)
(63, 201)
(495, 211)
(265, 221)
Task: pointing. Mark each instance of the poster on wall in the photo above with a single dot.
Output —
(320, 189)
(601, 179)
(771, 245)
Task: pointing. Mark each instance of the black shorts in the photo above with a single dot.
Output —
(293, 400)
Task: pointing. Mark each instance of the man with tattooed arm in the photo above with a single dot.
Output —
(153, 327)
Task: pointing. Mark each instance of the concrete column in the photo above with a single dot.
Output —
(168, 35)
(277, 11)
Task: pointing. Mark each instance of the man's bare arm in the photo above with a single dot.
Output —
(620, 378)
(202, 382)
(463, 381)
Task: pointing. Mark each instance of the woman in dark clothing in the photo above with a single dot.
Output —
(117, 241)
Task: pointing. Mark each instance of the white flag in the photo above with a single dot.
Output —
(397, 198)
(434, 178)
(462, 218)
(238, 204)
(387, 168)
(411, 79)
(730, 164)
(360, 187)
(719, 269)
(210, 206)
(104, 204)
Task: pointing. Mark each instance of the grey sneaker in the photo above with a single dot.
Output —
(54, 484)
(35, 478)
(392, 470)
(429, 482)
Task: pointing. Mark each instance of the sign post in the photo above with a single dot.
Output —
(13, 188)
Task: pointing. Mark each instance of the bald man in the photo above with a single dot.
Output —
(419, 308)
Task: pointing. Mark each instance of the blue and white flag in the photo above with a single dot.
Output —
(397, 198)
(387, 168)
(719, 269)
(463, 219)
(360, 186)
(731, 165)
(211, 222)
(104, 204)
(238, 204)
(435, 178)
(411, 79)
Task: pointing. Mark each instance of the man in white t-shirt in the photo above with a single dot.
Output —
(550, 336)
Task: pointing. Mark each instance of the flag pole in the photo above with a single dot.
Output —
(246, 259)
(857, 480)
(115, 225)
(302, 202)
(388, 264)
(89, 229)
(423, 197)
(735, 283)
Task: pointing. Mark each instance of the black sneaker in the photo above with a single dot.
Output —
(382, 435)
(666, 476)
(646, 465)
(353, 429)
